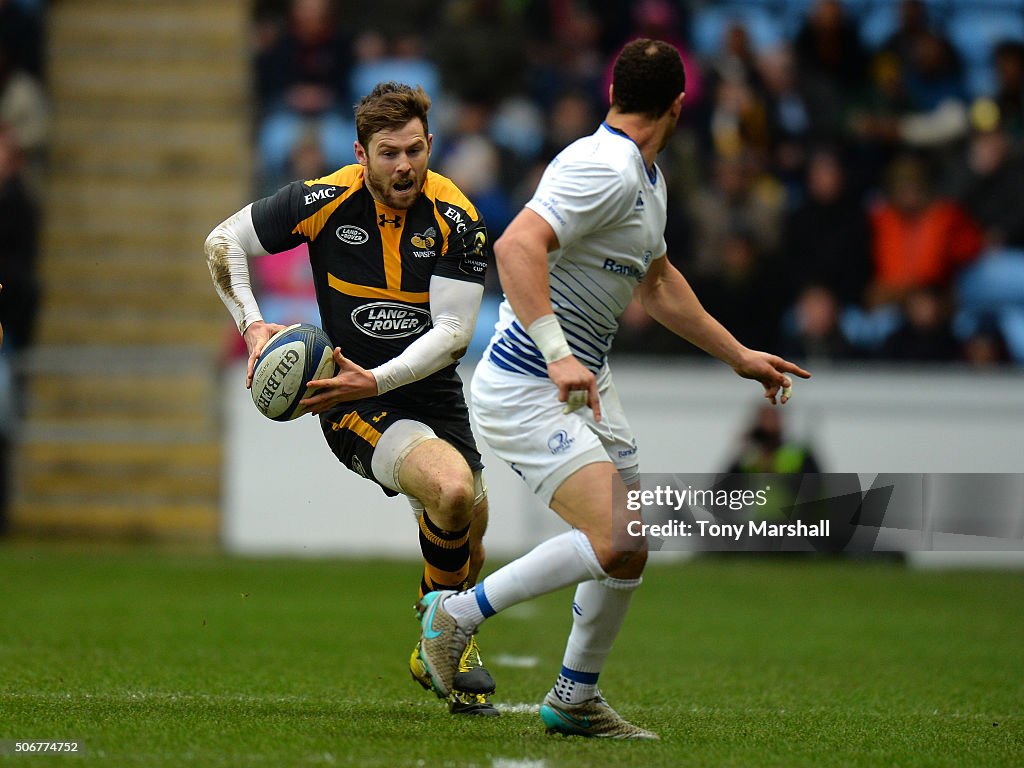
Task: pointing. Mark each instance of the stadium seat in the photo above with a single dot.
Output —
(975, 31)
(881, 18)
(366, 75)
(868, 329)
(993, 289)
(877, 23)
(710, 24)
(1002, 5)
(1011, 323)
(994, 282)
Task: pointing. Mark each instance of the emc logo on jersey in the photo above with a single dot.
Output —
(326, 193)
(456, 217)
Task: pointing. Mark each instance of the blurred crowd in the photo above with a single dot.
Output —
(845, 183)
(24, 135)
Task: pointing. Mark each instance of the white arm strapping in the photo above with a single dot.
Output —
(547, 334)
(228, 247)
(454, 305)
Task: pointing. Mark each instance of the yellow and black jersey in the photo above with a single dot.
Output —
(372, 264)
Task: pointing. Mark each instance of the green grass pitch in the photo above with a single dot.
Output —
(171, 660)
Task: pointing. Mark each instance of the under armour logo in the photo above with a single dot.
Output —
(384, 220)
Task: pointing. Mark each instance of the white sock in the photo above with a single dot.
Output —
(558, 562)
(598, 610)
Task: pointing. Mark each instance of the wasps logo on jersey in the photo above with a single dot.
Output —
(372, 264)
(426, 240)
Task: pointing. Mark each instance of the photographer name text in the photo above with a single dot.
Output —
(734, 531)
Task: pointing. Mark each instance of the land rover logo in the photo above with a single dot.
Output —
(387, 320)
(351, 235)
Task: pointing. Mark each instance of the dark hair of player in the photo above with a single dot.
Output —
(648, 76)
(389, 106)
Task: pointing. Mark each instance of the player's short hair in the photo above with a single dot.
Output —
(389, 106)
(648, 76)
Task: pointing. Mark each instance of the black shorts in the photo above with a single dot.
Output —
(352, 430)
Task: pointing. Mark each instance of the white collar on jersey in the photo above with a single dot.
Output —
(652, 172)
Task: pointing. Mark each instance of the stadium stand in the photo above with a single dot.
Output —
(155, 135)
(150, 139)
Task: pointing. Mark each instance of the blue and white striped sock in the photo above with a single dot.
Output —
(556, 563)
(598, 610)
(573, 686)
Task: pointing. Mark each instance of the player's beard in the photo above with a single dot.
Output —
(383, 189)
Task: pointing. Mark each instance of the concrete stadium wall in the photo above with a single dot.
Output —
(285, 493)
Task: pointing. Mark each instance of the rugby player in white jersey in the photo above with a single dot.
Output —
(590, 239)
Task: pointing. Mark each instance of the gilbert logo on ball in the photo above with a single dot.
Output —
(298, 354)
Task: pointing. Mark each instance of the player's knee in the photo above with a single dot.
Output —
(455, 499)
(638, 559)
(629, 565)
(619, 562)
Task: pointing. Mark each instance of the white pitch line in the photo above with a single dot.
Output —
(520, 612)
(506, 762)
(518, 709)
(515, 662)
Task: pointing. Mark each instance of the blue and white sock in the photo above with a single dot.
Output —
(556, 563)
(598, 610)
(573, 686)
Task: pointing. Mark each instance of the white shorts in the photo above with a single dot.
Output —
(521, 419)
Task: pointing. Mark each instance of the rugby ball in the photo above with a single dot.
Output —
(292, 357)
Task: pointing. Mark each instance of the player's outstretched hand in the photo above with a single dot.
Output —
(351, 382)
(577, 385)
(771, 371)
(256, 337)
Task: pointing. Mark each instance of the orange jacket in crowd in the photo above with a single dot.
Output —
(925, 249)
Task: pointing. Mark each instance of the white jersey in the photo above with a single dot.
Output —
(608, 211)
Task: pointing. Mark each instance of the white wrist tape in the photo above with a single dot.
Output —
(548, 336)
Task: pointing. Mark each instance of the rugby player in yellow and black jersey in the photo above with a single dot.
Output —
(373, 264)
(399, 257)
